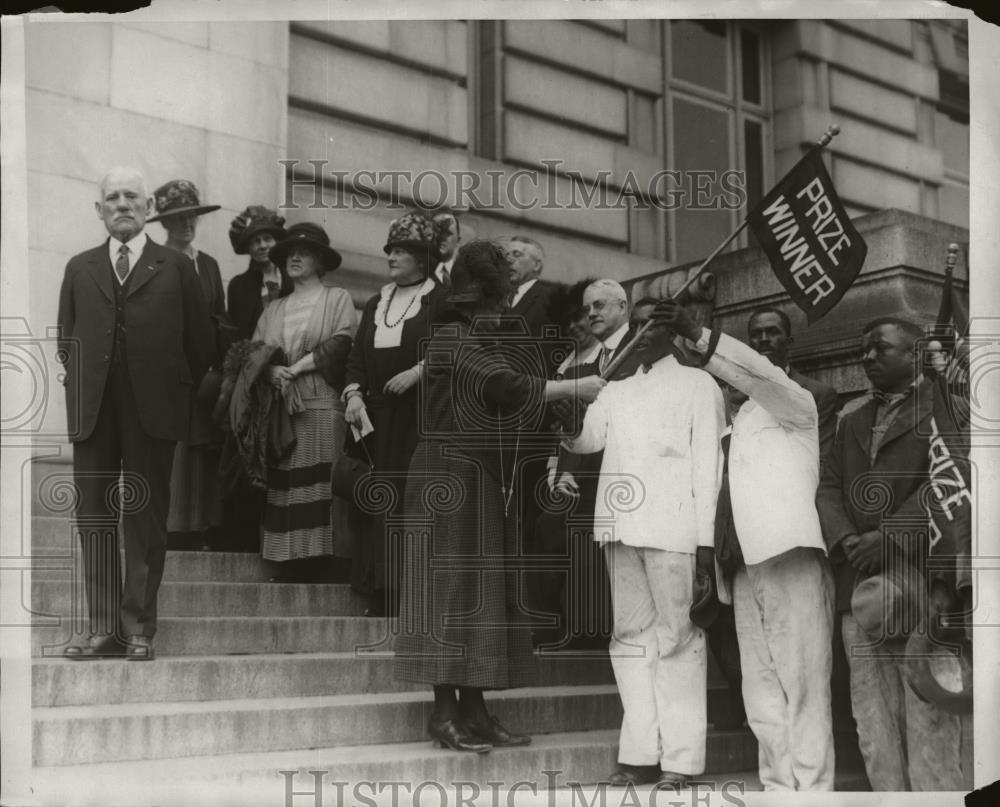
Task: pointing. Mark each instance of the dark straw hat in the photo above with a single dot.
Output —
(254, 219)
(178, 196)
(417, 233)
(306, 234)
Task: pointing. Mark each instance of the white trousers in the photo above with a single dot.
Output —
(659, 660)
(784, 622)
(907, 744)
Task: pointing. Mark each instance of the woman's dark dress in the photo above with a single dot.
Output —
(460, 618)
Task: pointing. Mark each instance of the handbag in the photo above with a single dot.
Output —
(349, 470)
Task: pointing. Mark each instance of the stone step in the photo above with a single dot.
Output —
(59, 682)
(55, 594)
(72, 735)
(202, 636)
(400, 774)
(52, 541)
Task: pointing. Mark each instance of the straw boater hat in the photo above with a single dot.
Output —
(306, 234)
(253, 220)
(178, 196)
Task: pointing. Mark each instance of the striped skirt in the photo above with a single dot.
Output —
(297, 516)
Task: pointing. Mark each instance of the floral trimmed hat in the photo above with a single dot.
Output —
(178, 196)
(414, 232)
(254, 219)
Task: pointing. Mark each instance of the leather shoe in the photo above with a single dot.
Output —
(96, 646)
(633, 775)
(672, 781)
(139, 648)
(495, 734)
(454, 734)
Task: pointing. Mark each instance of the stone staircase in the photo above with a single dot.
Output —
(256, 684)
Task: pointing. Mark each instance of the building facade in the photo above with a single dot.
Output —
(629, 148)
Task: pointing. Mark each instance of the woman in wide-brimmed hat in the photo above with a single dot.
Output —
(195, 499)
(382, 377)
(255, 232)
(313, 326)
(461, 628)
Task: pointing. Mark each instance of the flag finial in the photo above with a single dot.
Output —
(952, 258)
(831, 132)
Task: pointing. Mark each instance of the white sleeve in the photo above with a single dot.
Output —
(594, 433)
(768, 386)
(709, 420)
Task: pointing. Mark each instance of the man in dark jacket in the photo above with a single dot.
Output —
(137, 335)
(876, 527)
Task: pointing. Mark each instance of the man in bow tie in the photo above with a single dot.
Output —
(136, 336)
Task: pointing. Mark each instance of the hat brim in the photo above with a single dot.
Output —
(242, 246)
(331, 258)
(197, 210)
(469, 294)
(416, 246)
(923, 681)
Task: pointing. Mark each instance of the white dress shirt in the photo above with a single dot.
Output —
(135, 247)
(662, 465)
(773, 454)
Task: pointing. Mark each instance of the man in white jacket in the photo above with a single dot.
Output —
(655, 514)
(783, 595)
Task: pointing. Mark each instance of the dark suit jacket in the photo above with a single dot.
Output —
(856, 495)
(168, 347)
(827, 404)
(534, 307)
(243, 301)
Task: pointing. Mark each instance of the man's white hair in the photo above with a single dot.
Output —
(613, 288)
(121, 172)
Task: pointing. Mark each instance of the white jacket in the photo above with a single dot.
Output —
(662, 465)
(773, 453)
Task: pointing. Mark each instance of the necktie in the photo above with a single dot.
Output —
(603, 359)
(121, 265)
(444, 275)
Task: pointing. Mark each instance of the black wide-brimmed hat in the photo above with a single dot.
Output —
(178, 196)
(308, 234)
(253, 220)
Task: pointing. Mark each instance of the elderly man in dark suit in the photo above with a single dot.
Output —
(876, 526)
(134, 322)
(532, 299)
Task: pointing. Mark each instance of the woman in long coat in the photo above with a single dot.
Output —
(460, 627)
(297, 516)
(195, 497)
(383, 373)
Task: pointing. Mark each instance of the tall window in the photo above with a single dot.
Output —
(717, 119)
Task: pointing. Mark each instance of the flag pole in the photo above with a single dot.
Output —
(831, 132)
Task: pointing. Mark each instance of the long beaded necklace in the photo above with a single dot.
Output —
(388, 305)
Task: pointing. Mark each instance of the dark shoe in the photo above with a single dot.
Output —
(672, 781)
(455, 735)
(95, 647)
(495, 734)
(139, 648)
(633, 775)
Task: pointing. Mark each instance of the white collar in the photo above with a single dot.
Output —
(135, 246)
(523, 289)
(612, 342)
